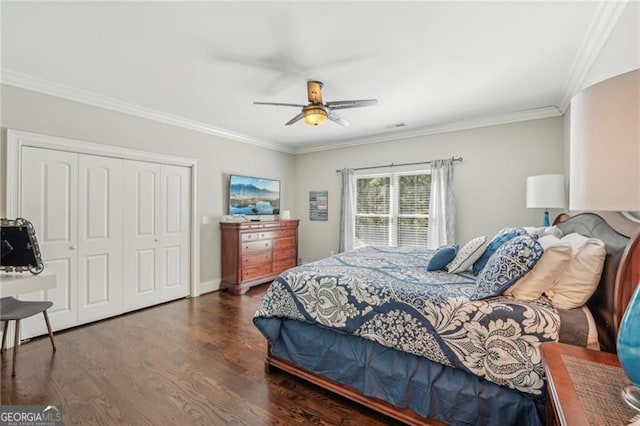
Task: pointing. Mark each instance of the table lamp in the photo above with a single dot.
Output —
(605, 175)
(546, 192)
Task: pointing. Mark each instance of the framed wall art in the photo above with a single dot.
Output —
(318, 205)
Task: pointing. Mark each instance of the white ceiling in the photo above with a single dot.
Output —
(431, 65)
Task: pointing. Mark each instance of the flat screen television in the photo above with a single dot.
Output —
(250, 195)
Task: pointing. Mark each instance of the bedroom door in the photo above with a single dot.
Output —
(156, 234)
(174, 232)
(48, 198)
(141, 234)
(115, 225)
(75, 204)
(100, 212)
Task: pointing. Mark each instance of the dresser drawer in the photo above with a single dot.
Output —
(256, 259)
(284, 242)
(250, 236)
(256, 271)
(281, 265)
(254, 246)
(286, 253)
(284, 233)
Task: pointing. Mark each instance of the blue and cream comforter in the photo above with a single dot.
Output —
(387, 295)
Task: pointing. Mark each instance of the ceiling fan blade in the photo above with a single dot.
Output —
(314, 91)
(278, 104)
(352, 104)
(337, 119)
(294, 119)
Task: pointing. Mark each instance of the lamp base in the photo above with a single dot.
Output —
(631, 396)
(545, 220)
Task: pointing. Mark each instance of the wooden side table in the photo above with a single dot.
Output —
(584, 387)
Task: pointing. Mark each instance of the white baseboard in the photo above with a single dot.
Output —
(209, 286)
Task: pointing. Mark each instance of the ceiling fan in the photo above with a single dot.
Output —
(317, 111)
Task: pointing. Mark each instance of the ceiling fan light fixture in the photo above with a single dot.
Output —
(316, 112)
(315, 116)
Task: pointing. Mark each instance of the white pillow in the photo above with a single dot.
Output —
(544, 230)
(546, 272)
(576, 240)
(467, 255)
(552, 240)
(582, 276)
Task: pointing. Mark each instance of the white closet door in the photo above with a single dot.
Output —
(141, 197)
(48, 198)
(100, 237)
(174, 235)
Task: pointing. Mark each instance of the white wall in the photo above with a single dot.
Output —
(489, 184)
(38, 113)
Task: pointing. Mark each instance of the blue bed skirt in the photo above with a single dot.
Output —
(430, 389)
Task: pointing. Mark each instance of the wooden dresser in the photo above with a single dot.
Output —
(256, 252)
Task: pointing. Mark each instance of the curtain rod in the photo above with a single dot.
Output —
(401, 164)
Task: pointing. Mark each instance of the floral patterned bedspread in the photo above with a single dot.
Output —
(387, 295)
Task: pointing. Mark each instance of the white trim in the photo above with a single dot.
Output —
(17, 139)
(532, 114)
(209, 286)
(604, 21)
(35, 84)
(28, 82)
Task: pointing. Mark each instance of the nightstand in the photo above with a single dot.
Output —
(584, 387)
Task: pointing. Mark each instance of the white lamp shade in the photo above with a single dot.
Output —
(546, 192)
(605, 145)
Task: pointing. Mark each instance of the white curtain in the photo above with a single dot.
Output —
(347, 211)
(442, 222)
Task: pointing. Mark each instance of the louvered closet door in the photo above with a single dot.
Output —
(141, 197)
(48, 198)
(100, 237)
(174, 235)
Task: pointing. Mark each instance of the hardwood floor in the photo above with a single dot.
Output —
(193, 361)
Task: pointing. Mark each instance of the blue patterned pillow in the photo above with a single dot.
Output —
(498, 240)
(511, 261)
(442, 257)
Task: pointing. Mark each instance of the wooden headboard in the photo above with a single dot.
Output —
(620, 274)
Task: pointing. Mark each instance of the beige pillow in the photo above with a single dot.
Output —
(544, 275)
(581, 277)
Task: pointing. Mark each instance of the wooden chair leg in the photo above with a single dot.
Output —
(4, 335)
(46, 319)
(16, 343)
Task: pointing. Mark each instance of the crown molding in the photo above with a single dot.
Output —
(47, 87)
(604, 21)
(527, 115)
(35, 84)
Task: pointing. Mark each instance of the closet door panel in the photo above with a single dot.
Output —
(100, 237)
(48, 198)
(174, 236)
(141, 197)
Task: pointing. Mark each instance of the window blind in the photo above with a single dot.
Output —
(393, 209)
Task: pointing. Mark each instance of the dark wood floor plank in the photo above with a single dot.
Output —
(193, 361)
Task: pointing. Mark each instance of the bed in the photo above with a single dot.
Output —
(470, 359)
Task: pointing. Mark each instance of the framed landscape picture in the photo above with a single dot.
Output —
(318, 205)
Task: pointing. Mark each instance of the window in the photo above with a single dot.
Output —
(392, 209)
